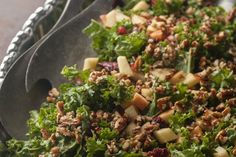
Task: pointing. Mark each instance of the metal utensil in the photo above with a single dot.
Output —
(68, 45)
(38, 25)
(15, 102)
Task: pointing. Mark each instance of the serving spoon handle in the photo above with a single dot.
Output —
(13, 97)
(15, 101)
(65, 46)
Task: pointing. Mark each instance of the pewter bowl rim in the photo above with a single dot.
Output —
(26, 32)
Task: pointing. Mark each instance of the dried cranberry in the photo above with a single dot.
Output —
(121, 30)
(109, 66)
(97, 129)
(149, 22)
(159, 120)
(158, 152)
(132, 66)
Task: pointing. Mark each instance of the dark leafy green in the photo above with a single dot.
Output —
(106, 94)
(178, 120)
(222, 78)
(72, 72)
(44, 119)
(32, 147)
(109, 45)
(95, 147)
(108, 134)
(162, 7)
(189, 147)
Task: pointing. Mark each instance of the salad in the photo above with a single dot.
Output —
(163, 85)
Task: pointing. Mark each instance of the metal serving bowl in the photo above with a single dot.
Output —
(39, 23)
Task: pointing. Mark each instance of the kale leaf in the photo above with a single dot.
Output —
(72, 72)
(95, 147)
(179, 120)
(162, 7)
(105, 94)
(231, 134)
(84, 112)
(107, 134)
(44, 119)
(109, 45)
(32, 147)
(222, 78)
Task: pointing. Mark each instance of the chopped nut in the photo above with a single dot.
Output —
(126, 145)
(221, 137)
(197, 132)
(234, 151)
(226, 111)
(220, 107)
(120, 123)
(65, 132)
(54, 92)
(162, 102)
(157, 35)
(55, 151)
(51, 99)
(60, 107)
(45, 134)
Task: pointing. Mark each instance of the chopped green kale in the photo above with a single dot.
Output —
(44, 119)
(222, 78)
(162, 7)
(95, 147)
(109, 45)
(108, 134)
(71, 73)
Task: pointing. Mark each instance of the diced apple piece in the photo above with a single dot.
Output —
(165, 135)
(142, 5)
(145, 14)
(188, 79)
(113, 17)
(131, 112)
(178, 77)
(90, 63)
(145, 126)
(162, 73)
(109, 19)
(147, 93)
(221, 152)
(120, 16)
(166, 115)
(129, 129)
(139, 101)
(138, 20)
(191, 80)
(124, 66)
(157, 35)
